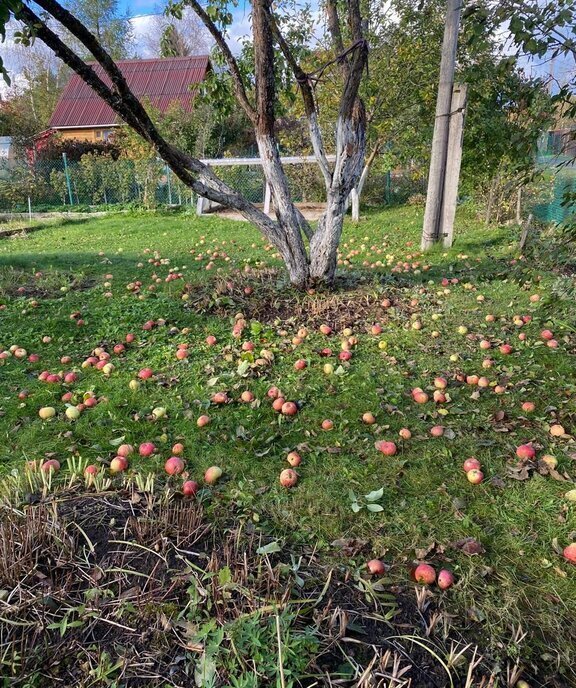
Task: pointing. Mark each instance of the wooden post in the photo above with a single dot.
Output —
(200, 205)
(519, 206)
(525, 231)
(437, 173)
(267, 197)
(453, 162)
(355, 198)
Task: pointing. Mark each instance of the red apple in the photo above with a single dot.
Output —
(288, 478)
(51, 465)
(220, 398)
(294, 459)
(525, 451)
(92, 469)
(505, 349)
(570, 553)
(145, 373)
(376, 567)
(202, 421)
(247, 396)
(445, 579)
(174, 465)
(189, 488)
(440, 383)
(437, 431)
(300, 364)
(387, 448)
(528, 406)
(289, 408)
(273, 393)
(471, 464)
(327, 424)
(475, 476)
(547, 335)
(211, 340)
(118, 464)
(368, 418)
(178, 449)
(146, 449)
(425, 574)
(405, 434)
(278, 403)
(213, 474)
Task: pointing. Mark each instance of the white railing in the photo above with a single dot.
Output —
(204, 204)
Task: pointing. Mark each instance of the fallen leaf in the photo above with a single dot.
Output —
(469, 546)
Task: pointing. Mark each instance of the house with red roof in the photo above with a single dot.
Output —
(82, 115)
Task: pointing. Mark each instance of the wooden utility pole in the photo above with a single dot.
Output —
(437, 174)
(453, 162)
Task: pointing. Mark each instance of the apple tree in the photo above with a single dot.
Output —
(308, 254)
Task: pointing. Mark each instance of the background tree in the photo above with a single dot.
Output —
(103, 19)
(168, 36)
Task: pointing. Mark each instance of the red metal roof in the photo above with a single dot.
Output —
(160, 81)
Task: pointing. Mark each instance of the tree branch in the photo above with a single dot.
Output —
(310, 108)
(334, 25)
(237, 81)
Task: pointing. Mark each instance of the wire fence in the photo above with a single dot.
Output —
(552, 202)
(100, 180)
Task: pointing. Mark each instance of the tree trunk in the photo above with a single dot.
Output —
(324, 243)
(356, 194)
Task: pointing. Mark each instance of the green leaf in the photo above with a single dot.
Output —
(243, 368)
(375, 495)
(356, 507)
(374, 507)
(225, 575)
(270, 548)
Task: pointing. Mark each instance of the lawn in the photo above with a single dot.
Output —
(415, 321)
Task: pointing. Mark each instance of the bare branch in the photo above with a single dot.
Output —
(237, 81)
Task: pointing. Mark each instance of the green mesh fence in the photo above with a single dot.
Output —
(93, 181)
(552, 202)
(99, 180)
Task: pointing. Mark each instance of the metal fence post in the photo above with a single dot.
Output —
(67, 173)
(169, 185)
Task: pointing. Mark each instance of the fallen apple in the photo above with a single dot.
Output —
(203, 421)
(288, 478)
(376, 567)
(294, 459)
(174, 465)
(525, 451)
(190, 488)
(475, 476)
(425, 574)
(445, 579)
(570, 553)
(146, 449)
(471, 464)
(387, 448)
(47, 412)
(51, 465)
(213, 474)
(118, 464)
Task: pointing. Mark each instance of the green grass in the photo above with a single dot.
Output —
(520, 582)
